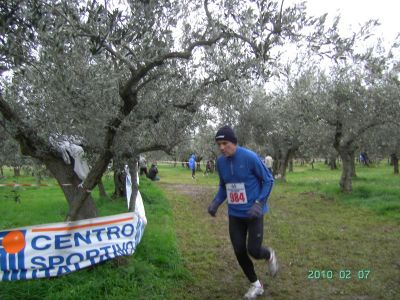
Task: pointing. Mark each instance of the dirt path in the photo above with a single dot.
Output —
(309, 232)
(205, 245)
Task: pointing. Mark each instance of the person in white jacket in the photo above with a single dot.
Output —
(269, 162)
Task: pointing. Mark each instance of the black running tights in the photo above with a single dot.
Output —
(238, 230)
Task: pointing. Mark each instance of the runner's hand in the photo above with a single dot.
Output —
(256, 210)
(213, 207)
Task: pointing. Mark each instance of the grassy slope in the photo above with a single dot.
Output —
(149, 274)
(311, 225)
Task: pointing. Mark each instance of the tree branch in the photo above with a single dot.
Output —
(141, 72)
(28, 138)
(119, 56)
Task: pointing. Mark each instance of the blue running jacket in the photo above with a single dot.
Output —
(243, 179)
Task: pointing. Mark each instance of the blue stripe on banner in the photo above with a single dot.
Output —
(22, 274)
(4, 267)
(6, 276)
(11, 262)
(3, 260)
(21, 265)
(14, 274)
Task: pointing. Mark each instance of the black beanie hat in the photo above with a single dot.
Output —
(226, 133)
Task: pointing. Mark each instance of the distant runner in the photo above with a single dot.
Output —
(245, 181)
(192, 165)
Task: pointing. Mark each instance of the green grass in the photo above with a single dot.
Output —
(375, 188)
(151, 273)
(311, 225)
(182, 175)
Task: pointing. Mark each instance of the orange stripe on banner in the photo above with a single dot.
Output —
(80, 226)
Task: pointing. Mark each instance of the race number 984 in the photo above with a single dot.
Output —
(236, 197)
(236, 193)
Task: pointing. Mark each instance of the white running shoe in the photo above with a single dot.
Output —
(273, 263)
(253, 292)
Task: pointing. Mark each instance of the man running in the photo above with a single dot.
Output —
(192, 165)
(246, 183)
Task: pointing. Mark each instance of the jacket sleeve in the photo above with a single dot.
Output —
(221, 194)
(265, 177)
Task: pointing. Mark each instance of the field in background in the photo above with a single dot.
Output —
(375, 187)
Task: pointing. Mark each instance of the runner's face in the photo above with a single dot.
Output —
(227, 148)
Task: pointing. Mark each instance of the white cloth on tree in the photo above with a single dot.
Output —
(128, 185)
(139, 207)
(67, 148)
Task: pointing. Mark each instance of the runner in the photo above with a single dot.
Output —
(246, 183)
(192, 165)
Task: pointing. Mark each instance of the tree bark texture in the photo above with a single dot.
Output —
(353, 165)
(395, 161)
(69, 183)
(17, 171)
(119, 182)
(102, 190)
(332, 163)
(347, 157)
(285, 156)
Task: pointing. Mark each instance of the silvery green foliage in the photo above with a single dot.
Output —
(112, 75)
(80, 59)
(322, 103)
(9, 152)
(204, 143)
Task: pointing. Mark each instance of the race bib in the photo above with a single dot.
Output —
(236, 193)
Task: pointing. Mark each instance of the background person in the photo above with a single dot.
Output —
(192, 165)
(153, 172)
(269, 162)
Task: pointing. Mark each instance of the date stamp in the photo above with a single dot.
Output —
(343, 274)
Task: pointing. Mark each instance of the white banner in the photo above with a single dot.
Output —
(60, 248)
(139, 207)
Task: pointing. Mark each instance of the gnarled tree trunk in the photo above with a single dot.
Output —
(332, 162)
(102, 190)
(275, 166)
(348, 172)
(69, 183)
(353, 166)
(17, 171)
(119, 180)
(395, 161)
(285, 156)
